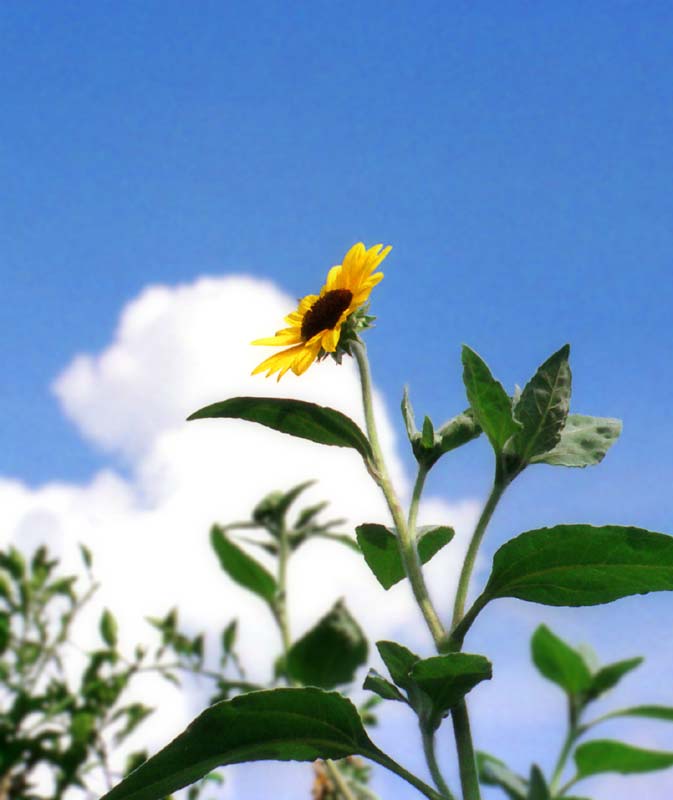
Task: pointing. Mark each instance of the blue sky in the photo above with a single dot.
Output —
(517, 156)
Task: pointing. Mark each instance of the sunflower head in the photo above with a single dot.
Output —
(327, 323)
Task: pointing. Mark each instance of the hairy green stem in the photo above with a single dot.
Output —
(473, 550)
(415, 501)
(417, 783)
(431, 758)
(469, 777)
(407, 546)
(467, 763)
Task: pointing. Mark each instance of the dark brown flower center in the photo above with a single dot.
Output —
(325, 312)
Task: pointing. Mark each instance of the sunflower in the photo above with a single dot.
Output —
(315, 328)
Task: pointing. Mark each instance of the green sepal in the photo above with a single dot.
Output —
(330, 653)
(380, 549)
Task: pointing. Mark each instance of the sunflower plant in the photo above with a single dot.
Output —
(565, 565)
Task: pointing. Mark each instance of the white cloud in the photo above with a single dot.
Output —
(175, 350)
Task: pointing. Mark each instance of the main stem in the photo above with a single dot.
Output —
(280, 612)
(469, 777)
(407, 545)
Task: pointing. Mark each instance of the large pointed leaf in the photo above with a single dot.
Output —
(296, 417)
(278, 725)
(609, 676)
(584, 442)
(242, 568)
(490, 403)
(543, 407)
(559, 662)
(606, 755)
(447, 679)
(494, 772)
(381, 551)
(581, 565)
(330, 653)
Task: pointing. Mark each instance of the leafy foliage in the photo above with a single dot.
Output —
(582, 565)
(279, 725)
(380, 548)
(296, 417)
(53, 722)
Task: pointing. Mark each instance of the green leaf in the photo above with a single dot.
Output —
(537, 785)
(330, 653)
(559, 662)
(381, 551)
(584, 442)
(663, 713)
(408, 416)
(458, 431)
(296, 417)
(108, 628)
(606, 755)
(490, 403)
(241, 568)
(447, 679)
(494, 772)
(376, 683)
(428, 433)
(229, 635)
(543, 407)
(5, 631)
(271, 510)
(399, 662)
(278, 725)
(610, 675)
(581, 565)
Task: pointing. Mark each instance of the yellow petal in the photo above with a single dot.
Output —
(330, 338)
(278, 361)
(305, 358)
(333, 279)
(281, 338)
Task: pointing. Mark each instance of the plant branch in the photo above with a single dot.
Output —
(431, 758)
(473, 550)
